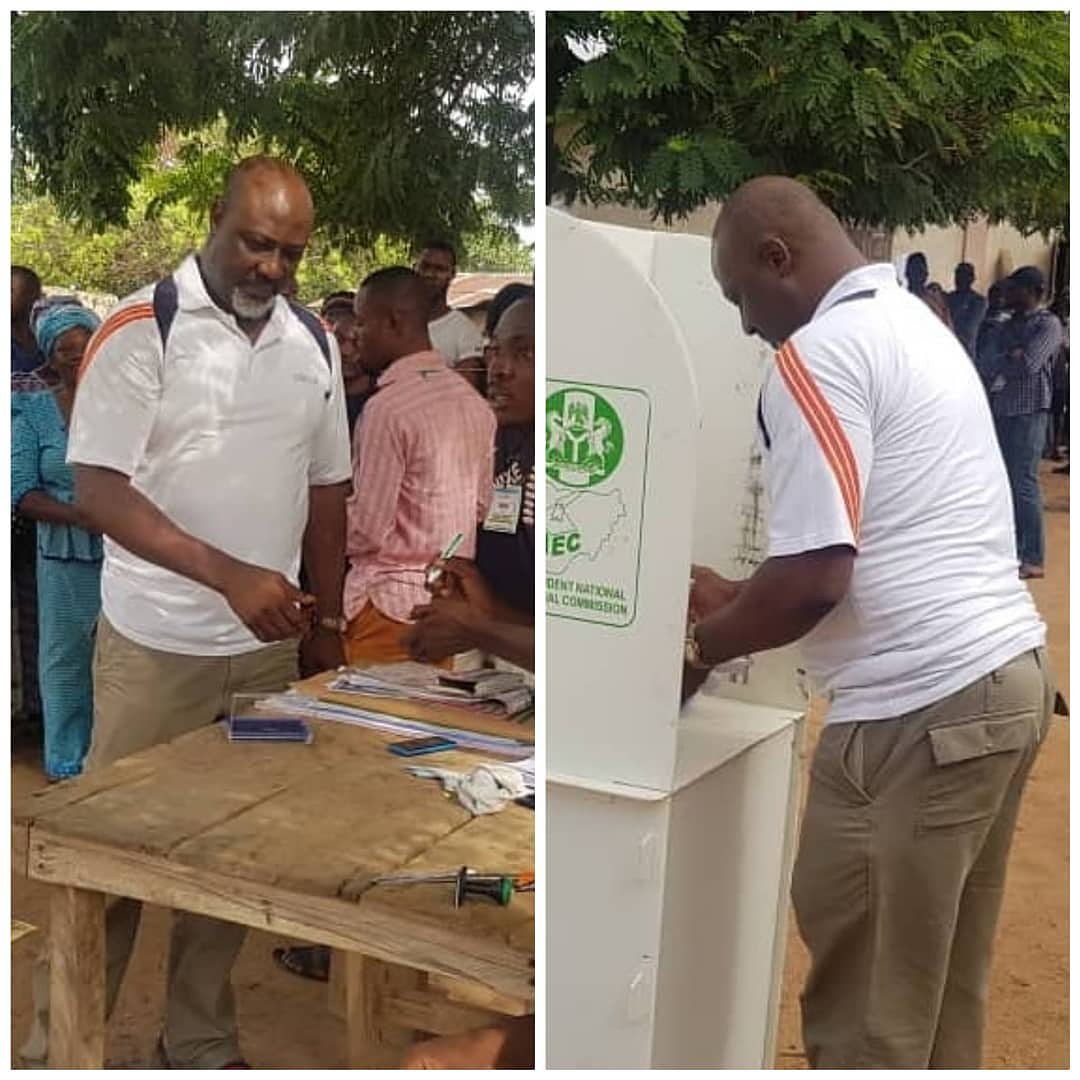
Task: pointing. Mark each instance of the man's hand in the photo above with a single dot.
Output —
(322, 650)
(462, 579)
(270, 606)
(710, 592)
(442, 628)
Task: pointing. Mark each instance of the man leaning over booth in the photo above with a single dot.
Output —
(892, 558)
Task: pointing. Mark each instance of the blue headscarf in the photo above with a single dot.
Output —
(58, 319)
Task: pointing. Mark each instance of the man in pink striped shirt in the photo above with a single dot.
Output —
(423, 460)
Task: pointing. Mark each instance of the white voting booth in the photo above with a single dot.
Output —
(670, 832)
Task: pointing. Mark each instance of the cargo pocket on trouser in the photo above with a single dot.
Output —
(973, 764)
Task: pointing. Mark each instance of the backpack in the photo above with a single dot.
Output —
(166, 302)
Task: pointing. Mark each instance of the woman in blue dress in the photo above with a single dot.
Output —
(68, 556)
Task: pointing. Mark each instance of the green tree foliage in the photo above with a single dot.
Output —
(895, 118)
(406, 124)
(120, 259)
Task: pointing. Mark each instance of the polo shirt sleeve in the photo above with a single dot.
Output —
(330, 453)
(119, 391)
(816, 413)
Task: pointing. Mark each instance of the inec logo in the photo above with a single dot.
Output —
(584, 438)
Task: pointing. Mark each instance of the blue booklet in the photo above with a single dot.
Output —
(269, 729)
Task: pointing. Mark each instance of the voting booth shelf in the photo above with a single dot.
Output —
(681, 819)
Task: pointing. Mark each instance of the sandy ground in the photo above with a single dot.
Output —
(285, 1024)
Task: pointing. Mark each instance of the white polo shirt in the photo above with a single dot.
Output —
(880, 437)
(223, 436)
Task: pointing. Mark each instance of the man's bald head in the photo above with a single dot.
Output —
(776, 250)
(267, 178)
(392, 307)
(259, 230)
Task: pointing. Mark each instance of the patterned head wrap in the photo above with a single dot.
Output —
(57, 319)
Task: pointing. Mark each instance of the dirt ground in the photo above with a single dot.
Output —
(285, 1024)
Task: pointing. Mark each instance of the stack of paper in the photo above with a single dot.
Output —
(498, 692)
(294, 703)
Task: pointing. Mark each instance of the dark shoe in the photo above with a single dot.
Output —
(307, 961)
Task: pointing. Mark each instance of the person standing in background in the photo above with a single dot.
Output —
(68, 555)
(966, 306)
(1020, 370)
(452, 332)
(25, 292)
(422, 466)
(917, 272)
(25, 358)
(337, 313)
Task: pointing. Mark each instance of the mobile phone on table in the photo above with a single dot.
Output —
(429, 744)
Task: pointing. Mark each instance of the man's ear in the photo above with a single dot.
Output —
(775, 254)
(217, 212)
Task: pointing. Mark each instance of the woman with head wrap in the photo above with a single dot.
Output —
(68, 556)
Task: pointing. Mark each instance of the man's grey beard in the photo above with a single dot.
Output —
(247, 308)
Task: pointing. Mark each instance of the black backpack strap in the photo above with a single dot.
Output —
(166, 301)
(315, 327)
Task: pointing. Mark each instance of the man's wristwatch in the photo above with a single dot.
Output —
(692, 650)
(336, 624)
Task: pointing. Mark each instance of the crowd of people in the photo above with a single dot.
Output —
(225, 491)
(1020, 348)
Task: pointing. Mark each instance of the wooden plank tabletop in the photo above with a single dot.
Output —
(287, 837)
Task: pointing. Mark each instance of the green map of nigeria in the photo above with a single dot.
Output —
(580, 525)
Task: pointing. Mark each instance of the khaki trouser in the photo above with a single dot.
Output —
(901, 870)
(143, 697)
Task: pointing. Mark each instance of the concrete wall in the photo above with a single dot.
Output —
(994, 250)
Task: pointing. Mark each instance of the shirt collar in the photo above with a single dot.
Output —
(871, 276)
(192, 295)
(413, 364)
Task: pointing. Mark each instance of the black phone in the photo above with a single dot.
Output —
(429, 744)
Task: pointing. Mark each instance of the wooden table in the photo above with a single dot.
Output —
(285, 838)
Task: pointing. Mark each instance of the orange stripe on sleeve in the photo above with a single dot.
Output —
(830, 435)
(116, 321)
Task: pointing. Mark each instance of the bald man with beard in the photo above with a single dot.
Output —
(891, 560)
(210, 446)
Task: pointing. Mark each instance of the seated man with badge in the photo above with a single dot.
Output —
(489, 604)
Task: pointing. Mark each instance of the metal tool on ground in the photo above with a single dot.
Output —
(467, 883)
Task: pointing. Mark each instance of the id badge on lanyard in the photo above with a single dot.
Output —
(505, 510)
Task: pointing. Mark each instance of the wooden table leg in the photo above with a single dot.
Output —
(77, 979)
(335, 988)
(373, 1040)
